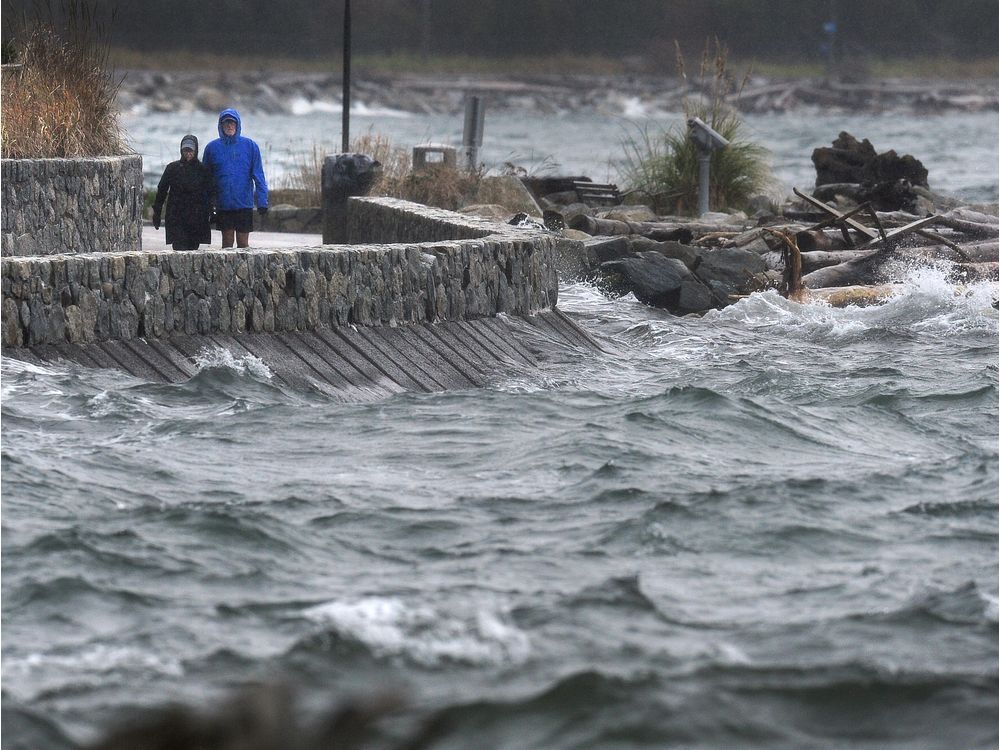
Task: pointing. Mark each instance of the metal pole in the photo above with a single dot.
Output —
(425, 30)
(703, 161)
(472, 133)
(345, 126)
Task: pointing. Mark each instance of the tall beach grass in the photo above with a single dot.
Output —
(59, 95)
(433, 186)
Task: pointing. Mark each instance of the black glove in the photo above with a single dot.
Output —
(262, 210)
(156, 220)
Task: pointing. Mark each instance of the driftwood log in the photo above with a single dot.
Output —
(659, 231)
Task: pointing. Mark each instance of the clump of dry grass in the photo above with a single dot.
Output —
(60, 101)
(433, 186)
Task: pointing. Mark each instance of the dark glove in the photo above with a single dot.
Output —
(213, 217)
(262, 210)
(156, 220)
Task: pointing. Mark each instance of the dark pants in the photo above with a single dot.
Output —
(184, 246)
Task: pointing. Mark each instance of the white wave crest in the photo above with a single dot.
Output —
(924, 300)
(219, 357)
(391, 627)
(302, 106)
(100, 659)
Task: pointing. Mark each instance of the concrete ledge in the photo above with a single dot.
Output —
(394, 220)
(347, 363)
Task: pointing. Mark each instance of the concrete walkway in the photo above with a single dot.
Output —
(153, 239)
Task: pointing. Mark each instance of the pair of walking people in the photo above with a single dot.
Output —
(223, 187)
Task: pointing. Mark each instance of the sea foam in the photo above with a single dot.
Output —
(389, 626)
(219, 357)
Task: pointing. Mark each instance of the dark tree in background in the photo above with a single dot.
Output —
(779, 30)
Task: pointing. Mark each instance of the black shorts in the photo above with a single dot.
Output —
(241, 220)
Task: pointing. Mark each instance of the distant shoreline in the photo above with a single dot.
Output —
(290, 92)
(403, 63)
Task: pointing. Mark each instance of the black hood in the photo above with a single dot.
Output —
(190, 137)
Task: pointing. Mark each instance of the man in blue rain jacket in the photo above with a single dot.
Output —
(238, 171)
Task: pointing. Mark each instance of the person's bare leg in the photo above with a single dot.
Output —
(242, 239)
(228, 236)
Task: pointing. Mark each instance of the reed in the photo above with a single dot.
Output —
(59, 98)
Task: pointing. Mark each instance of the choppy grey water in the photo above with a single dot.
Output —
(773, 527)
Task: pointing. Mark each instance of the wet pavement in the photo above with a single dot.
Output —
(153, 239)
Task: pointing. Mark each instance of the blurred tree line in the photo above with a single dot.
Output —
(776, 30)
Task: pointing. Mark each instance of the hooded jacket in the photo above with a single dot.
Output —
(237, 168)
(187, 188)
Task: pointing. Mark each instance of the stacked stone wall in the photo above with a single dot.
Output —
(110, 296)
(53, 206)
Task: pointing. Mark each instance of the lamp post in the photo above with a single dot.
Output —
(345, 123)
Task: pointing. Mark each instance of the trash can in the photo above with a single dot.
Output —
(344, 176)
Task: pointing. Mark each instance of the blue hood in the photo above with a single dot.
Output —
(239, 124)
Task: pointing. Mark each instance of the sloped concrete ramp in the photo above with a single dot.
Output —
(359, 363)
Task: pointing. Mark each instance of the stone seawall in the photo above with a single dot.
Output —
(88, 297)
(394, 220)
(52, 206)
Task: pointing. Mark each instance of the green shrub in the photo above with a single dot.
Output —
(661, 167)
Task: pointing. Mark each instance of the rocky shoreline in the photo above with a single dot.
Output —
(298, 93)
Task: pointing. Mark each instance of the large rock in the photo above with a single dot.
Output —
(689, 256)
(509, 192)
(658, 281)
(628, 213)
(730, 271)
(210, 99)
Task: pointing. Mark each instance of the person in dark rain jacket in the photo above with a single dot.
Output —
(238, 172)
(187, 188)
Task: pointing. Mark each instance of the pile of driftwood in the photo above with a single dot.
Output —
(855, 257)
(926, 96)
(871, 218)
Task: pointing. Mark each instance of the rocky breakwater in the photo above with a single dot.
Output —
(869, 220)
(687, 265)
(78, 299)
(296, 93)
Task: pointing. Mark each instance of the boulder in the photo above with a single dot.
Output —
(658, 281)
(689, 256)
(603, 249)
(730, 270)
(628, 213)
(209, 99)
(507, 191)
